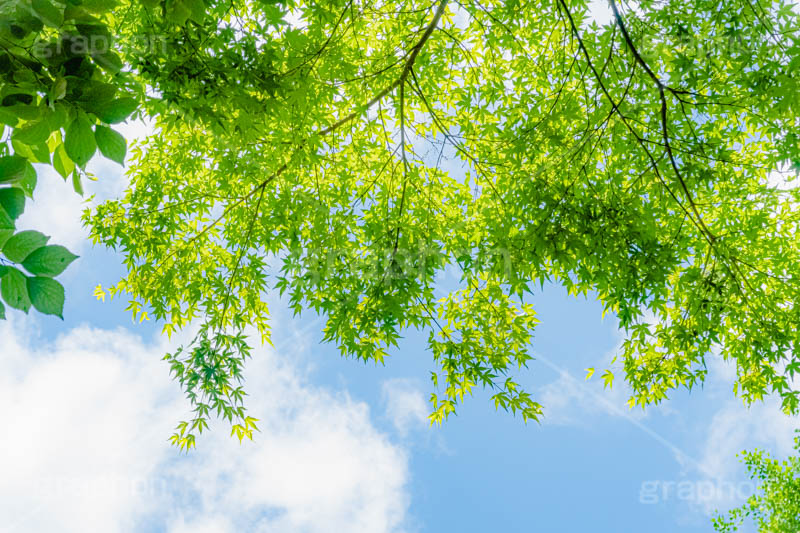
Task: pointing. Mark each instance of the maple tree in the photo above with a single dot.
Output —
(775, 507)
(345, 153)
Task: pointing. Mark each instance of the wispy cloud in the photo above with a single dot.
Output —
(405, 405)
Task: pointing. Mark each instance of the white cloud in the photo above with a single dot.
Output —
(735, 428)
(600, 11)
(85, 423)
(84, 446)
(718, 474)
(405, 405)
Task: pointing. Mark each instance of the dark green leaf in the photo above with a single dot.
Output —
(20, 246)
(114, 111)
(6, 222)
(58, 117)
(197, 9)
(5, 234)
(76, 182)
(74, 11)
(23, 111)
(111, 143)
(12, 168)
(178, 11)
(15, 290)
(8, 118)
(79, 141)
(21, 100)
(109, 61)
(46, 295)
(49, 261)
(13, 201)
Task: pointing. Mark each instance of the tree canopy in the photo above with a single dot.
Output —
(346, 153)
(775, 507)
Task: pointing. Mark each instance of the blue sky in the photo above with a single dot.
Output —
(344, 446)
(88, 407)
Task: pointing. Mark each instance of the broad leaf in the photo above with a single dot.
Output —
(37, 153)
(13, 201)
(77, 186)
(28, 182)
(48, 13)
(114, 111)
(79, 140)
(6, 222)
(46, 295)
(33, 134)
(62, 163)
(111, 144)
(14, 290)
(12, 168)
(49, 261)
(20, 246)
(5, 234)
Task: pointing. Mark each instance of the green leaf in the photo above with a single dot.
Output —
(23, 111)
(37, 153)
(5, 234)
(58, 91)
(62, 163)
(6, 222)
(2, 311)
(14, 290)
(109, 61)
(32, 134)
(76, 12)
(8, 118)
(76, 183)
(111, 143)
(114, 111)
(197, 9)
(20, 246)
(12, 168)
(28, 182)
(58, 120)
(608, 379)
(46, 295)
(178, 12)
(99, 6)
(48, 13)
(13, 201)
(79, 141)
(49, 261)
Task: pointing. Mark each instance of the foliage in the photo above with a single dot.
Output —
(59, 88)
(347, 158)
(775, 508)
(347, 153)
